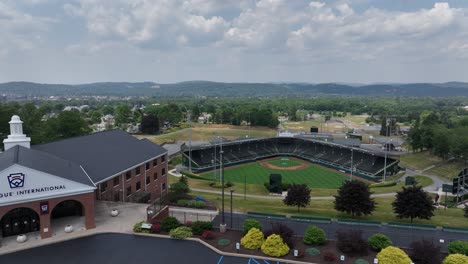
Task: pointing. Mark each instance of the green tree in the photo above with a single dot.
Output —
(66, 124)
(122, 114)
(413, 202)
(149, 124)
(298, 195)
(354, 198)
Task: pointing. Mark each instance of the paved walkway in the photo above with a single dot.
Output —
(129, 214)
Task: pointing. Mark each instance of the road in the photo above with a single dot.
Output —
(401, 237)
(121, 249)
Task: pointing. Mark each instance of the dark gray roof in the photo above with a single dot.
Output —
(44, 162)
(104, 154)
(354, 142)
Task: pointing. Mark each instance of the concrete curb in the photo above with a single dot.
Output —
(59, 240)
(229, 254)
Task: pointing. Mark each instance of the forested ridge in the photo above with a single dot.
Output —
(219, 89)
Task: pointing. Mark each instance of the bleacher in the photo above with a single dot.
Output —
(329, 154)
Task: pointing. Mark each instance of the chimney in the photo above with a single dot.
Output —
(16, 136)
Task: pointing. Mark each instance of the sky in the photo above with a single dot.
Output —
(167, 41)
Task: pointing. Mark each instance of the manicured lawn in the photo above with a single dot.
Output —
(325, 208)
(419, 160)
(314, 176)
(422, 180)
(448, 170)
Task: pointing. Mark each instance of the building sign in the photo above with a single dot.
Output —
(16, 180)
(17, 187)
(44, 208)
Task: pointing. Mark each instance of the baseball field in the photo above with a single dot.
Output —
(292, 170)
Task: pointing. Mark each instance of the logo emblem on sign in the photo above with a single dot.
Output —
(16, 180)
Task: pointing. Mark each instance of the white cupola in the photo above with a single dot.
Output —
(16, 136)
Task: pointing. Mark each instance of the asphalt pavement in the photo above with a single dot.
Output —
(401, 237)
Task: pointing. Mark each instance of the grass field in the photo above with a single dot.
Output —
(314, 176)
(449, 169)
(421, 180)
(325, 208)
(207, 133)
(285, 162)
(419, 160)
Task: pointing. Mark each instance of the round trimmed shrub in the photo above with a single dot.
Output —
(224, 242)
(361, 261)
(199, 226)
(253, 239)
(250, 223)
(181, 232)
(455, 259)
(313, 251)
(458, 247)
(274, 246)
(393, 255)
(314, 236)
(379, 242)
(168, 223)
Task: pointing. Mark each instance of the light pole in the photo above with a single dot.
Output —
(190, 140)
(386, 150)
(222, 227)
(232, 190)
(245, 186)
(351, 176)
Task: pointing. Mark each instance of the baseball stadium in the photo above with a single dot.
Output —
(317, 163)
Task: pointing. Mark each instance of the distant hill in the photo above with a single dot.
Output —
(218, 89)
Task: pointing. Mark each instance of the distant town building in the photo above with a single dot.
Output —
(204, 118)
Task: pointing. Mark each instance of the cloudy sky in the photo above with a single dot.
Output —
(358, 41)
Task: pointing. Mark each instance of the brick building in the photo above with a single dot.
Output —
(64, 178)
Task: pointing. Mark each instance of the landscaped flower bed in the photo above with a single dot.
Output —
(279, 241)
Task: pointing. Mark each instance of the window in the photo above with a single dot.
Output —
(147, 166)
(163, 186)
(163, 172)
(138, 186)
(155, 175)
(163, 158)
(103, 186)
(155, 162)
(137, 171)
(116, 181)
(128, 175)
(148, 180)
(129, 190)
(116, 197)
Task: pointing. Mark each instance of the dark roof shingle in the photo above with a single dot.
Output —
(45, 162)
(104, 154)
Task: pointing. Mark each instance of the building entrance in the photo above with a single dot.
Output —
(19, 221)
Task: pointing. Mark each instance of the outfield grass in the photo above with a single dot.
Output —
(314, 176)
(285, 162)
(448, 170)
(325, 208)
(419, 160)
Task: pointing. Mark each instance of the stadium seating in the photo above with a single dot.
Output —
(329, 154)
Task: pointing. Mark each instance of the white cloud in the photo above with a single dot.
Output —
(20, 31)
(158, 24)
(287, 37)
